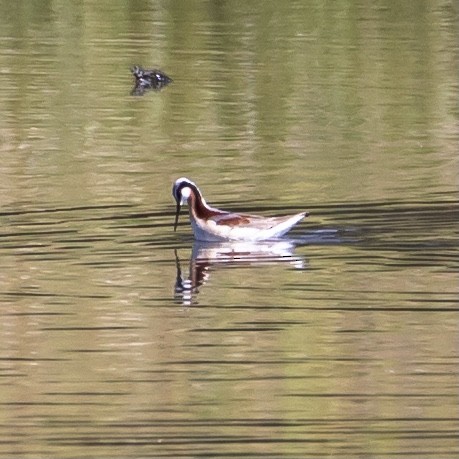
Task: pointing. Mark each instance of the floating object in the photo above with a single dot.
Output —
(146, 79)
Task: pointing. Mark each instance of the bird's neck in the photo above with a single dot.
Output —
(199, 208)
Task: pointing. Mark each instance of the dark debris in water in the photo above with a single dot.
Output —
(147, 80)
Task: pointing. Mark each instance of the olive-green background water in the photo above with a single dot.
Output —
(341, 341)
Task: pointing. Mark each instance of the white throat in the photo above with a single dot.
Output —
(186, 193)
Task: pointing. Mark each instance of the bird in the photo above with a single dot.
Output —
(146, 79)
(211, 225)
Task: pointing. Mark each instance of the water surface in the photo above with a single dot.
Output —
(121, 338)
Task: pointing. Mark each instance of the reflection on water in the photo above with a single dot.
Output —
(206, 255)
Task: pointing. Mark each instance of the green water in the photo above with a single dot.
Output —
(121, 338)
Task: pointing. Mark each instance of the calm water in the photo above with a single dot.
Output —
(121, 338)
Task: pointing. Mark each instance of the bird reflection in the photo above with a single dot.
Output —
(207, 255)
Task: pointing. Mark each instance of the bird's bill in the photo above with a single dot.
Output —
(177, 212)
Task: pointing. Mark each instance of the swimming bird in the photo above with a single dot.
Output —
(146, 79)
(210, 224)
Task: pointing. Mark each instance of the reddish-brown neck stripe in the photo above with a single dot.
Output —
(198, 208)
(202, 212)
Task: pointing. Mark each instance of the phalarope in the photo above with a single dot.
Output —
(210, 224)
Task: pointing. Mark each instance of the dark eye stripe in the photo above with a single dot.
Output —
(177, 190)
